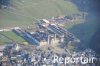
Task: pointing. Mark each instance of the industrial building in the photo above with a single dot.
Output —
(27, 36)
(46, 34)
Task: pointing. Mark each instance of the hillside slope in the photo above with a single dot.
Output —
(23, 12)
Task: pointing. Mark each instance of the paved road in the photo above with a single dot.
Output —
(9, 29)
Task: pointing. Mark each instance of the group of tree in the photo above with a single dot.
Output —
(4, 3)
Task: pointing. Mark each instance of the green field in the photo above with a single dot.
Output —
(23, 12)
(10, 36)
(4, 40)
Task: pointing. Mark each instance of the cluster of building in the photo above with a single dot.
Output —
(62, 20)
(47, 33)
(17, 55)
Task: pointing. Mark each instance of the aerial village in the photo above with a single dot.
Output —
(49, 39)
